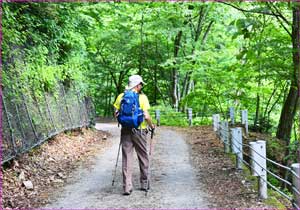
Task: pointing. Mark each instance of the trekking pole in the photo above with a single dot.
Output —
(115, 171)
(152, 134)
(150, 154)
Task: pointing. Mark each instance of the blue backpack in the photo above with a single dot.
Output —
(130, 115)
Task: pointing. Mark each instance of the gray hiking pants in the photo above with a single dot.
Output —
(137, 140)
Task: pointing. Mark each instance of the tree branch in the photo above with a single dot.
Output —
(279, 20)
(207, 30)
(250, 11)
(199, 25)
(278, 16)
(114, 78)
(192, 27)
(278, 12)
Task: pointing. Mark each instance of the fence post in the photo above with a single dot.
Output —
(78, 100)
(20, 124)
(263, 190)
(296, 184)
(226, 137)
(237, 146)
(259, 166)
(216, 120)
(30, 119)
(12, 137)
(232, 142)
(190, 115)
(85, 101)
(254, 149)
(231, 115)
(213, 122)
(66, 106)
(44, 121)
(18, 116)
(221, 132)
(49, 112)
(244, 114)
(157, 117)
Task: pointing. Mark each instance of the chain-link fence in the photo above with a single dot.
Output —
(29, 119)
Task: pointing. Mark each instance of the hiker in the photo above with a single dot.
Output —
(134, 134)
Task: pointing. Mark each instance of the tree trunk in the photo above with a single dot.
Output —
(142, 47)
(106, 112)
(298, 150)
(109, 99)
(190, 87)
(298, 82)
(257, 112)
(175, 100)
(188, 77)
(155, 85)
(287, 114)
(174, 88)
(290, 105)
(183, 90)
(155, 75)
(187, 81)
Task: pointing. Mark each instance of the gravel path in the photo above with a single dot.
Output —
(174, 181)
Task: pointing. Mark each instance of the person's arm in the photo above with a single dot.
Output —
(117, 105)
(116, 113)
(145, 106)
(148, 119)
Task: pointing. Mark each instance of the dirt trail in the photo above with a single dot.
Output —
(174, 181)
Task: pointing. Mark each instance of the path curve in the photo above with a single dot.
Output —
(174, 181)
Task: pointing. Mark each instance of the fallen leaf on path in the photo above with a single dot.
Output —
(28, 185)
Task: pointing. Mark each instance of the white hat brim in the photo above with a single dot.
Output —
(129, 87)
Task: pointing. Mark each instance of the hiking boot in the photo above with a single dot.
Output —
(127, 192)
(145, 186)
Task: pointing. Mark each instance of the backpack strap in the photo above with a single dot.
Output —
(138, 99)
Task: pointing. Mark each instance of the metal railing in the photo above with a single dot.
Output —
(232, 139)
(30, 119)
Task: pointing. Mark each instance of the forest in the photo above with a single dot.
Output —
(207, 56)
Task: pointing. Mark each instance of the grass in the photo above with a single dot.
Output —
(274, 199)
(170, 117)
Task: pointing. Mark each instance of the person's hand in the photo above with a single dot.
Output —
(152, 128)
(116, 114)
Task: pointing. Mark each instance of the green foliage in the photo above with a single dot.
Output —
(276, 149)
(239, 59)
(202, 121)
(169, 116)
(275, 199)
(41, 47)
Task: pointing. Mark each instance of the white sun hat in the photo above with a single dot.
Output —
(134, 80)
